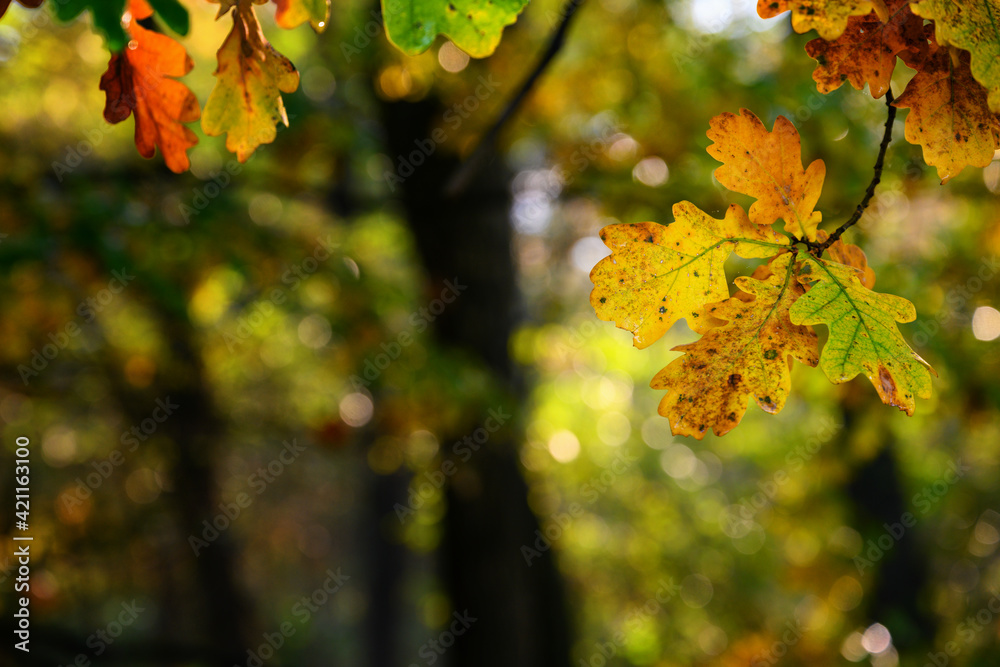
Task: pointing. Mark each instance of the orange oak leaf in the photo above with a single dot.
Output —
(750, 352)
(828, 17)
(866, 52)
(949, 115)
(246, 102)
(140, 80)
(768, 166)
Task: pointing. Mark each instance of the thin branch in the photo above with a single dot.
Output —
(467, 170)
(819, 248)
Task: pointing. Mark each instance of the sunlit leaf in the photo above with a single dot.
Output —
(749, 352)
(973, 25)
(949, 116)
(863, 334)
(768, 166)
(475, 26)
(246, 102)
(658, 274)
(140, 80)
(866, 52)
(827, 17)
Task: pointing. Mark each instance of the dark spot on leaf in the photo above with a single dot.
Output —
(603, 299)
(734, 379)
(770, 354)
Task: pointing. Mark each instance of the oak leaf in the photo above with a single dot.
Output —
(475, 26)
(748, 353)
(140, 81)
(658, 274)
(246, 101)
(973, 25)
(768, 166)
(949, 115)
(828, 17)
(863, 334)
(866, 52)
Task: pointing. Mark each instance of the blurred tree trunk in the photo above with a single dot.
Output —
(901, 576)
(520, 612)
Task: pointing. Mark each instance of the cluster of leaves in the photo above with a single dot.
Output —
(953, 99)
(141, 78)
(246, 103)
(658, 274)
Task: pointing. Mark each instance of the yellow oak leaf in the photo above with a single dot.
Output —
(658, 274)
(949, 116)
(866, 52)
(246, 102)
(828, 17)
(863, 334)
(768, 166)
(973, 25)
(750, 352)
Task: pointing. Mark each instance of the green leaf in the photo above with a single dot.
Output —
(173, 14)
(863, 334)
(474, 26)
(107, 18)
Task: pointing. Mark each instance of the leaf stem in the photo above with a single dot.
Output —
(467, 170)
(816, 248)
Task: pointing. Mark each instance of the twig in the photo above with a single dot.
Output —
(465, 172)
(819, 248)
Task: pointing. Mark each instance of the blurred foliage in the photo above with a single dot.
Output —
(615, 132)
